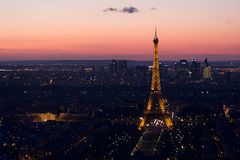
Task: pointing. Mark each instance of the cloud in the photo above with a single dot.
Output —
(153, 8)
(110, 9)
(128, 10)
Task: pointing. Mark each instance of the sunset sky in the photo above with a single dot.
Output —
(122, 29)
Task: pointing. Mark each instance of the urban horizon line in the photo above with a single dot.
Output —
(110, 59)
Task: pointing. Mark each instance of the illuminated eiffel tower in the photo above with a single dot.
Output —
(156, 106)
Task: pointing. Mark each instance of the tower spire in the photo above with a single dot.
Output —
(155, 32)
(155, 39)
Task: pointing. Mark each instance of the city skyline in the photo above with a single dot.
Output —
(70, 110)
(63, 30)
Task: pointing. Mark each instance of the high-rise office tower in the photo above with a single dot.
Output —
(122, 66)
(182, 71)
(207, 71)
(113, 67)
(195, 71)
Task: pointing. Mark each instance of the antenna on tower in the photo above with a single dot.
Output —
(155, 31)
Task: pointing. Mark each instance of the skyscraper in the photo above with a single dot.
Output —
(122, 66)
(195, 70)
(113, 67)
(182, 71)
(207, 71)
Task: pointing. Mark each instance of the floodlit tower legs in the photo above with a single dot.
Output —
(155, 93)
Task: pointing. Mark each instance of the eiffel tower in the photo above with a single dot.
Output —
(156, 106)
